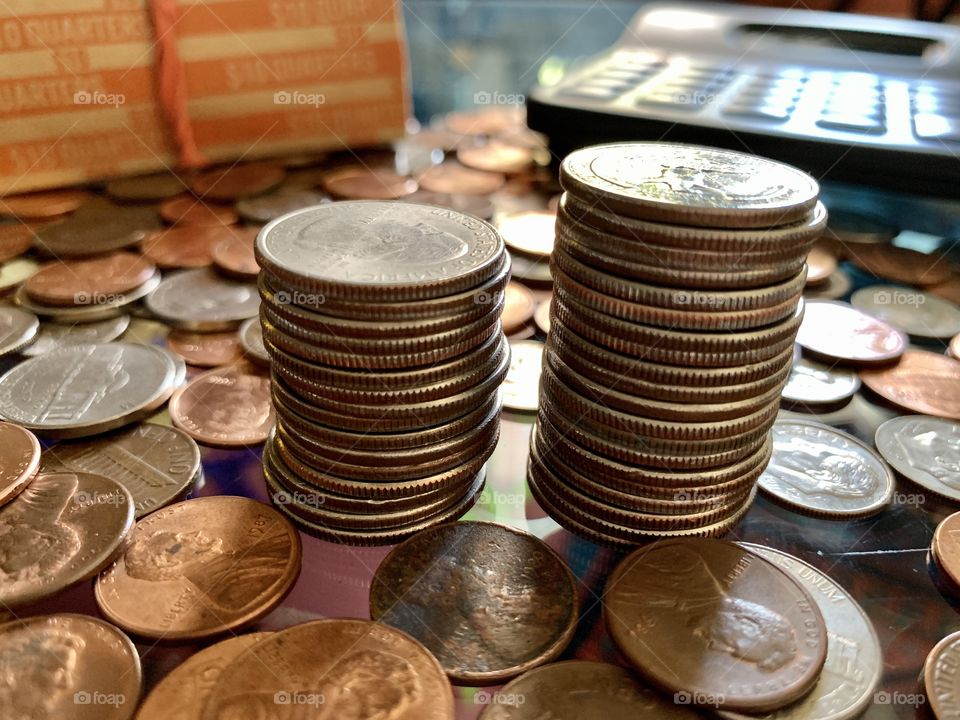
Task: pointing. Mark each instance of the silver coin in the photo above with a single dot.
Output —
(55, 335)
(833, 288)
(823, 471)
(87, 313)
(204, 301)
(265, 208)
(86, 389)
(521, 387)
(811, 383)
(925, 450)
(917, 313)
(854, 662)
(251, 338)
(18, 328)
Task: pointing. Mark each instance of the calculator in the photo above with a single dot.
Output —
(849, 98)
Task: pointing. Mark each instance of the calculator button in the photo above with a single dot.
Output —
(590, 92)
(670, 100)
(772, 113)
(868, 124)
(928, 126)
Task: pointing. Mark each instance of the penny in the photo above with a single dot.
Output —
(918, 314)
(436, 587)
(43, 205)
(206, 349)
(496, 156)
(819, 470)
(955, 346)
(811, 383)
(901, 265)
(689, 185)
(19, 460)
(201, 568)
(237, 181)
(363, 183)
(821, 264)
(922, 382)
(251, 340)
(521, 388)
(940, 677)
(518, 307)
(924, 450)
(945, 546)
(529, 232)
(226, 407)
(86, 389)
(18, 328)
(184, 246)
(580, 689)
(63, 528)
(52, 335)
(491, 120)
(841, 332)
(91, 308)
(542, 316)
(452, 177)
(854, 663)
(146, 188)
(188, 210)
(265, 208)
(686, 614)
(67, 666)
(838, 285)
(380, 251)
(88, 281)
(949, 290)
(15, 240)
(98, 227)
(202, 300)
(157, 464)
(182, 693)
(233, 255)
(349, 669)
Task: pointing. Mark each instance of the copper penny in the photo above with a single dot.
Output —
(583, 690)
(237, 181)
(452, 177)
(940, 678)
(518, 307)
(343, 669)
(43, 205)
(19, 460)
(362, 183)
(182, 693)
(439, 586)
(225, 407)
(901, 265)
(205, 349)
(156, 463)
(922, 382)
(201, 568)
(15, 240)
(946, 547)
(531, 233)
(67, 666)
(184, 246)
(542, 316)
(496, 156)
(188, 210)
(716, 622)
(821, 263)
(491, 120)
(98, 227)
(265, 208)
(63, 528)
(839, 331)
(955, 347)
(234, 255)
(86, 281)
(146, 188)
(949, 290)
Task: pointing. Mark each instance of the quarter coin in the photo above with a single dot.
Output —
(811, 383)
(204, 301)
(842, 332)
(925, 450)
(53, 335)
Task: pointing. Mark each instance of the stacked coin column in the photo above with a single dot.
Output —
(382, 322)
(678, 274)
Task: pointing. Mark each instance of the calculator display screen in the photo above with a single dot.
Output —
(857, 40)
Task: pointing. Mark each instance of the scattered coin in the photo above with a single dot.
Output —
(542, 316)
(43, 205)
(18, 328)
(234, 255)
(19, 460)
(811, 383)
(98, 227)
(68, 666)
(146, 188)
(529, 232)
(901, 265)
(251, 339)
(955, 346)
(819, 470)
(237, 181)
(201, 568)
(521, 388)
(945, 547)
(265, 208)
(496, 156)
(922, 382)
(918, 314)
(188, 210)
(15, 240)
(204, 301)
(206, 349)
(61, 529)
(534, 273)
(53, 335)
(924, 450)
(491, 120)
(841, 332)
(518, 307)
(184, 246)
(821, 264)
(89, 307)
(453, 178)
(940, 677)
(479, 205)
(363, 183)
(90, 281)
(949, 290)
(851, 230)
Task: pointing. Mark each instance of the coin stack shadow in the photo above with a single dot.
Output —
(668, 350)
(387, 409)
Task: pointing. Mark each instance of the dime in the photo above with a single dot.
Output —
(542, 316)
(821, 471)
(188, 210)
(940, 677)
(204, 301)
(518, 307)
(206, 349)
(226, 407)
(201, 568)
(811, 383)
(157, 464)
(925, 450)
(43, 205)
(15, 240)
(265, 208)
(580, 689)
(52, 335)
(234, 255)
(686, 612)
(922, 382)
(521, 387)
(363, 183)
(89, 281)
(63, 528)
(237, 181)
(86, 389)
(919, 314)
(689, 185)
(90, 307)
(901, 265)
(530, 232)
(351, 669)
(146, 188)
(251, 339)
(181, 694)
(18, 328)
(840, 331)
(452, 177)
(68, 666)
(98, 227)
(184, 246)
(19, 460)
(821, 264)
(496, 156)
(437, 587)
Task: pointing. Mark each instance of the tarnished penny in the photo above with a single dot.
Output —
(206, 349)
(19, 460)
(518, 307)
(496, 156)
(234, 256)
(839, 331)
(188, 210)
(157, 464)
(53, 335)
(88, 281)
(203, 300)
(811, 383)
(822, 471)
(184, 246)
(836, 286)
(542, 316)
(529, 232)
(226, 407)
(343, 669)
(43, 205)
(67, 667)
(265, 208)
(940, 678)
(251, 340)
(15, 240)
(237, 181)
(146, 188)
(63, 528)
(949, 290)
(901, 265)
(580, 689)
(918, 314)
(18, 328)
(98, 227)
(946, 546)
(521, 388)
(821, 264)
(716, 622)
(925, 450)
(362, 183)
(452, 177)
(183, 692)
(922, 382)
(437, 587)
(201, 568)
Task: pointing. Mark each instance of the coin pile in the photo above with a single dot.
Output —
(678, 272)
(382, 323)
